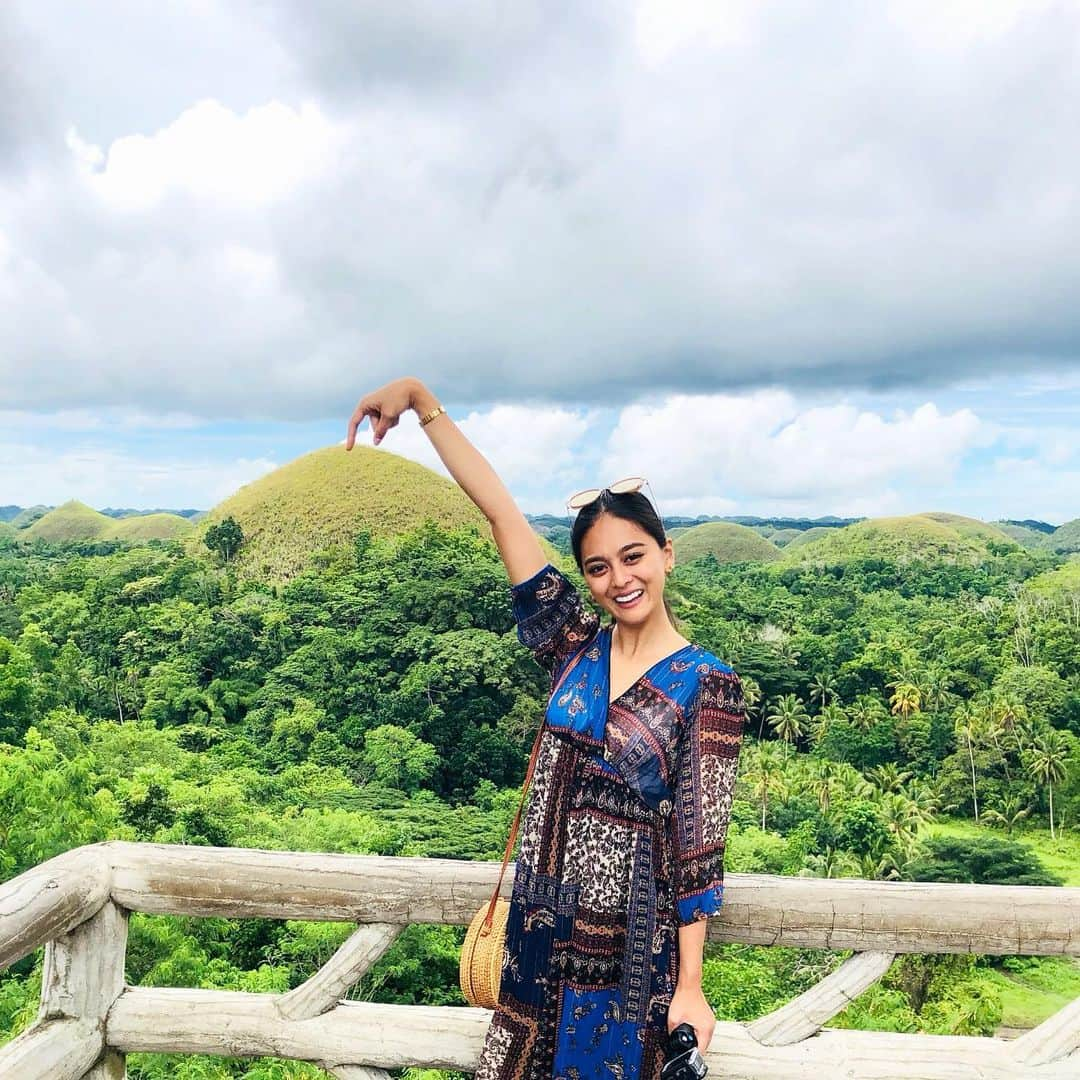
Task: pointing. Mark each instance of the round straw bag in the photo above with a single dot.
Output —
(480, 969)
(482, 956)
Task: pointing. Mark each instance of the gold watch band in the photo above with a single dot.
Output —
(438, 410)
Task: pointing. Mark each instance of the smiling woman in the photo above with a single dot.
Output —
(621, 858)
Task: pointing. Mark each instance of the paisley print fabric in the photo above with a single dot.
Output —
(621, 843)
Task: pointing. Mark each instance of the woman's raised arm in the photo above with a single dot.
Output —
(518, 544)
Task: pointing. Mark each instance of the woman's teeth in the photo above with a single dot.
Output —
(630, 598)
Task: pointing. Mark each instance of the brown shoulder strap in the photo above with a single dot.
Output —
(525, 787)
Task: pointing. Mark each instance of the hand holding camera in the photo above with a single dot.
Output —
(682, 1059)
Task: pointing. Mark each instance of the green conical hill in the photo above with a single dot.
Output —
(72, 521)
(7, 530)
(781, 537)
(149, 527)
(970, 527)
(808, 536)
(726, 541)
(25, 518)
(1065, 538)
(327, 497)
(902, 539)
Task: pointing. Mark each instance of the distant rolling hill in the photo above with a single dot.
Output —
(26, 517)
(150, 527)
(726, 542)
(1023, 534)
(808, 536)
(77, 521)
(1065, 539)
(71, 521)
(927, 536)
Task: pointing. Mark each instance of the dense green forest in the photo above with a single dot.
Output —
(914, 716)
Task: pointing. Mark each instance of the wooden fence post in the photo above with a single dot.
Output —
(83, 975)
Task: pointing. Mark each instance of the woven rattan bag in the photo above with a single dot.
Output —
(480, 969)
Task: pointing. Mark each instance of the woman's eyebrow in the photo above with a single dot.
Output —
(625, 547)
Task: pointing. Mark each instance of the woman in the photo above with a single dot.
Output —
(622, 846)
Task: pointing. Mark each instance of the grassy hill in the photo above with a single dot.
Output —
(77, 521)
(969, 527)
(149, 527)
(327, 497)
(725, 541)
(780, 537)
(71, 521)
(918, 536)
(808, 536)
(1065, 538)
(7, 530)
(25, 518)
(1029, 538)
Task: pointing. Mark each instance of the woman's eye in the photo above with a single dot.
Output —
(634, 557)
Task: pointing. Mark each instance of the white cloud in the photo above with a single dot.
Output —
(956, 24)
(526, 203)
(32, 473)
(766, 448)
(534, 450)
(662, 26)
(38, 424)
(212, 154)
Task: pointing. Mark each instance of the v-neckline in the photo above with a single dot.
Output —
(663, 660)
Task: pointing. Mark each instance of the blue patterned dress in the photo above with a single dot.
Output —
(621, 843)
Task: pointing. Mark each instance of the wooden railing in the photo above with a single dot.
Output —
(78, 903)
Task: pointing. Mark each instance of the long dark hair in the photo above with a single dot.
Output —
(631, 506)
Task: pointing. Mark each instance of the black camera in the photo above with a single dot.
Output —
(682, 1059)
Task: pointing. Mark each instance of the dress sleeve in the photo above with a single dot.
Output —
(708, 758)
(552, 619)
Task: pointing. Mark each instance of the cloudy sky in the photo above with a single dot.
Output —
(800, 257)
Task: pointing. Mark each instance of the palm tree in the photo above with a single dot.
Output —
(832, 714)
(1010, 718)
(936, 694)
(1046, 764)
(823, 687)
(966, 726)
(1008, 813)
(906, 699)
(925, 801)
(908, 671)
(824, 781)
(751, 689)
(878, 866)
(764, 772)
(789, 718)
(888, 777)
(866, 712)
(831, 863)
(902, 820)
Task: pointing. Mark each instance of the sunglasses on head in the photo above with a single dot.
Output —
(621, 487)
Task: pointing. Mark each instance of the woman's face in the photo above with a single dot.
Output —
(619, 558)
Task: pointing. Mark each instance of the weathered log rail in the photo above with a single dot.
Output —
(77, 905)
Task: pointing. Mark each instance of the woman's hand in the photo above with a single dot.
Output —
(384, 407)
(688, 1004)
